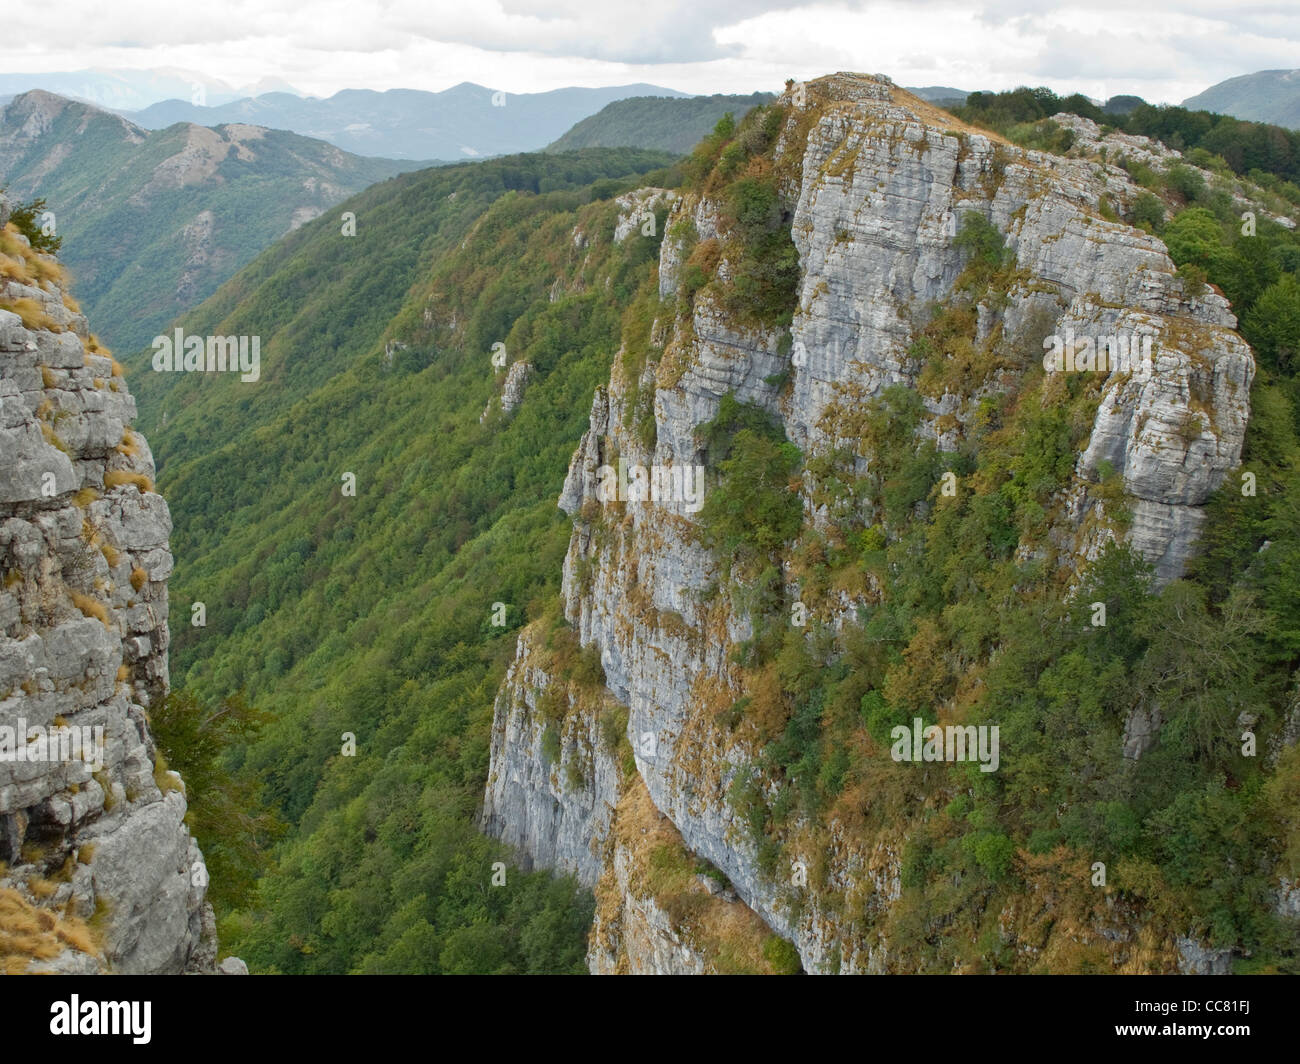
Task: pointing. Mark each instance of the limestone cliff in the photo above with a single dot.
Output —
(97, 869)
(879, 182)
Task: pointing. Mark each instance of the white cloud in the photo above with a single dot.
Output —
(1160, 49)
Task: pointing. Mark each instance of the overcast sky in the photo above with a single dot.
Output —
(1163, 51)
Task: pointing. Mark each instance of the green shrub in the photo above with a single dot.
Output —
(782, 956)
(26, 218)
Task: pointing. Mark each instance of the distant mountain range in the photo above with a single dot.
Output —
(130, 90)
(1265, 96)
(153, 223)
(466, 121)
(657, 122)
(939, 93)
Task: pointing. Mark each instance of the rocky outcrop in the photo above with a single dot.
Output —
(95, 831)
(880, 185)
(637, 211)
(512, 391)
(881, 190)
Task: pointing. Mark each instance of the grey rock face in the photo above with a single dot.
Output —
(83, 647)
(554, 807)
(1197, 959)
(883, 193)
(512, 393)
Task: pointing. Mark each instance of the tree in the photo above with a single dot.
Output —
(1148, 212)
(1273, 325)
(1195, 237)
(193, 737)
(26, 218)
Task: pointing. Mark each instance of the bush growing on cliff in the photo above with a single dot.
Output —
(730, 167)
(1148, 212)
(26, 218)
(752, 512)
(764, 284)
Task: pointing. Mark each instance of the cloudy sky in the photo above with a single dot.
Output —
(1163, 51)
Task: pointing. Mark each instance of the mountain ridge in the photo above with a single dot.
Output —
(168, 213)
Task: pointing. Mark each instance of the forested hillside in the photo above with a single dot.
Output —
(1268, 154)
(659, 122)
(373, 614)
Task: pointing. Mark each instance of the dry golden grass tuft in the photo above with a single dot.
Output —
(41, 887)
(139, 578)
(47, 271)
(115, 478)
(33, 314)
(29, 934)
(13, 269)
(91, 608)
(163, 777)
(19, 261)
(130, 445)
(52, 437)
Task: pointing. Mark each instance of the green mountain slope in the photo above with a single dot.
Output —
(152, 223)
(371, 614)
(1265, 96)
(656, 122)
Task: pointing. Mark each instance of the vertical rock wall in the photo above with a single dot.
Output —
(84, 563)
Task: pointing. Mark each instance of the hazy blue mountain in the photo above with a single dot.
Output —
(466, 121)
(937, 93)
(1265, 96)
(129, 90)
